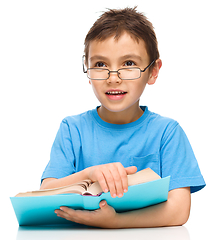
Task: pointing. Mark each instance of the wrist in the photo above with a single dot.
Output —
(114, 223)
(123, 220)
(86, 173)
(118, 221)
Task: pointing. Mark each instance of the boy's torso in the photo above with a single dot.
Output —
(138, 143)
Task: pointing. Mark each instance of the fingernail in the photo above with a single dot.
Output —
(125, 190)
(106, 190)
(57, 213)
(103, 203)
(114, 195)
(120, 195)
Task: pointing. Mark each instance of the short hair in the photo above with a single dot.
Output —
(115, 22)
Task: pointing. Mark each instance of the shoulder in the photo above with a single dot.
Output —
(163, 128)
(78, 119)
(77, 123)
(73, 127)
(160, 122)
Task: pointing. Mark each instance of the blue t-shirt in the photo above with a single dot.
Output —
(153, 141)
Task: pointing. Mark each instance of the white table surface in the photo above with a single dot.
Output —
(179, 233)
(62, 233)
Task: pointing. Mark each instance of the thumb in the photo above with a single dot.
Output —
(105, 207)
(131, 170)
(103, 204)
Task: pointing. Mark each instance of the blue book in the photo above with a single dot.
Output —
(37, 208)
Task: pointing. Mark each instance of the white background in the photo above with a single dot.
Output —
(41, 82)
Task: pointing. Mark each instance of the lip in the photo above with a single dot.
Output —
(115, 97)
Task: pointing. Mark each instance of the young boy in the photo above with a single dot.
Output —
(120, 137)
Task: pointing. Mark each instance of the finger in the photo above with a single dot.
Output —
(108, 175)
(102, 181)
(105, 207)
(62, 214)
(116, 170)
(77, 216)
(131, 170)
(124, 179)
(102, 204)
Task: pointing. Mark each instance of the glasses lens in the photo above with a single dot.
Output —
(97, 73)
(129, 73)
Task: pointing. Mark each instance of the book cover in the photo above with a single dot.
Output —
(39, 210)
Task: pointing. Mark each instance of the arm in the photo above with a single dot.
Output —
(49, 183)
(174, 212)
(111, 177)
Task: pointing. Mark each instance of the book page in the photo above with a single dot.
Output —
(93, 189)
(78, 188)
(145, 175)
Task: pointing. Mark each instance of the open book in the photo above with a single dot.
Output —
(145, 188)
(87, 187)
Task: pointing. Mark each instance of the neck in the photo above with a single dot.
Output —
(127, 116)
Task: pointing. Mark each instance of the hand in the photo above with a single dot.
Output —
(111, 177)
(104, 217)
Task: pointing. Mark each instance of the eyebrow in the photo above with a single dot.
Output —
(128, 56)
(131, 56)
(98, 57)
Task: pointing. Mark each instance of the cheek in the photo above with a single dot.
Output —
(96, 89)
(138, 89)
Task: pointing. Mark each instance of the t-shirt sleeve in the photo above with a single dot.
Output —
(62, 159)
(178, 161)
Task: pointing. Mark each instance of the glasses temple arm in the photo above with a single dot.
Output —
(83, 58)
(148, 66)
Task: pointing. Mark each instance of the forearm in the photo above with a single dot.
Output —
(111, 177)
(174, 212)
(155, 216)
(73, 178)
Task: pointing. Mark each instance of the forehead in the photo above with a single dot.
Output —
(113, 48)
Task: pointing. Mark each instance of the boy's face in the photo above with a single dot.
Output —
(114, 94)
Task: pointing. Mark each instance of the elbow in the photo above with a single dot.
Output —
(179, 217)
(179, 207)
(183, 221)
(43, 185)
(179, 221)
(47, 183)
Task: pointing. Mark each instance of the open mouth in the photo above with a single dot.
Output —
(115, 93)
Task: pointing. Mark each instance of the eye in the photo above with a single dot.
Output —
(100, 64)
(129, 63)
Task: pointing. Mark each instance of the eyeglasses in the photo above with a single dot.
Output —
(131, 73)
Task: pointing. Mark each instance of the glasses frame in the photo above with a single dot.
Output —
(85, 71)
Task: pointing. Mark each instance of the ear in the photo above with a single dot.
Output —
(155, 71)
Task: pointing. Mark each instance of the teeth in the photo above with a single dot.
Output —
(115, 92)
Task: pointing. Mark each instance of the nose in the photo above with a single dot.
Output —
(114, 77)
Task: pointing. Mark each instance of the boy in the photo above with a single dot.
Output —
(120, 137)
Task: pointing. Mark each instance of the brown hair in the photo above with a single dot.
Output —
(117, 21)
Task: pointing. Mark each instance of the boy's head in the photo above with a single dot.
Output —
(121, 46)
(114, 23)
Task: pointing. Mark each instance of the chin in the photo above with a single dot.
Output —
(117, 108)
